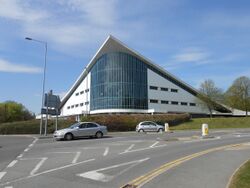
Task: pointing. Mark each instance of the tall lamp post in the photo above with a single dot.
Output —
(44, 74)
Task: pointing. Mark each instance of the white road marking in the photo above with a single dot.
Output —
(45, 172)
(2, 175)
(129, 148)
(106, 151)
(141, 149)
(31, 145)
(244, 135)
(12, 164)
(78, 153)
(154, 144)
(38, 165)
(27, 149)
(98, 176)
(20, 156)
(8, 187)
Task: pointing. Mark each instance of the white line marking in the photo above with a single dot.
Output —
(2, 175)
(12, 164)
(27, 149)
(38, 165)
(141, 149)
(106, 151)
(78, 153)
(8, 187)
(98, 176)
(154, 144)
(20, 156)
(31, 145)
(129, 148)
(46, 172)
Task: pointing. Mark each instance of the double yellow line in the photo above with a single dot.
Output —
(142, 180)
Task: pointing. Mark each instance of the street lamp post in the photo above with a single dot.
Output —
(44, 76)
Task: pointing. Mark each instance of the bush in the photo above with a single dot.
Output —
(31, 126)
(113, 123)
(129, 122)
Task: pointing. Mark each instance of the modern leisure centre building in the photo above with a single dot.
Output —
(120, 80)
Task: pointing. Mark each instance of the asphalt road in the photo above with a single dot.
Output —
(179, 159)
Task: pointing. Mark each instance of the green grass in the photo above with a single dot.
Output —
(241, 178)
(215, 123)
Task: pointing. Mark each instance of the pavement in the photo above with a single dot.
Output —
(178, 159)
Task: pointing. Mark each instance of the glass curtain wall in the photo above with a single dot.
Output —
(118, 80)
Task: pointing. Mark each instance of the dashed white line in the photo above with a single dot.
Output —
(27, 149)
(8, 187)
(141, 149)
(12, 164)
(154, 144)
(78, 153)
(2, 175)
(129, 148)
(106, 151)
(20, 156)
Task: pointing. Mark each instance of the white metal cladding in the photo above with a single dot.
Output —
(79, 101)
(180, 96)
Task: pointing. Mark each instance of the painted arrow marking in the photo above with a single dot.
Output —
(98, 176)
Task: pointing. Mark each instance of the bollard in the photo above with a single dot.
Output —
(166, 127)
(204, 129)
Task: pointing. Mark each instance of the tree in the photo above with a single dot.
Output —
(238, 94)
(13, 111)
(209, 95)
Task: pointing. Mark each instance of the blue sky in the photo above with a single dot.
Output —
(194, 40)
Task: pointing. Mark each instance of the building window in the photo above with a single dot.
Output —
(184, 103)
(76, 105)
(81, 92)
(153, 101)
(192, 104)
(174, 102)
(174, 90)
(86, 90)
(81, 104)
(77, 94)
(72, 106)
(68, 107)
(86, 103)
(164, 89)
(119, 81)
(153, 87)
(164, 102)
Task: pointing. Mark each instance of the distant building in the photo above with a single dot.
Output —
(120, 80)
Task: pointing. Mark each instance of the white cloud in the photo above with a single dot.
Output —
(191, 55)
(18, 10)
(6, 66)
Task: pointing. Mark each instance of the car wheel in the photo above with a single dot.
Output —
(141, 131)
(160, 131)
(68, 136)
(99, 135)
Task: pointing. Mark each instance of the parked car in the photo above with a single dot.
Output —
(149, 126)
(81, 129)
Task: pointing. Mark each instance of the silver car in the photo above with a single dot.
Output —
(149, 126)
(81, 129)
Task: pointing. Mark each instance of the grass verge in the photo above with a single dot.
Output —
(214, 123)
(241, 178)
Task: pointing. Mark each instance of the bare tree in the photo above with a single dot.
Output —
(209, 95)
(238, 94)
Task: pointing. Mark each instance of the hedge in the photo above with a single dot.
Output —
(113, 123)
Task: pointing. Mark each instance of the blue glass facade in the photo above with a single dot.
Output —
(119, 81)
